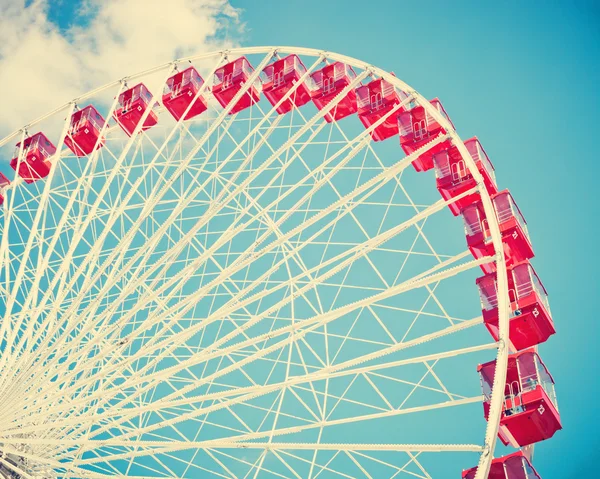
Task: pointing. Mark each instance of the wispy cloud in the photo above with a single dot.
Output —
(42, 66)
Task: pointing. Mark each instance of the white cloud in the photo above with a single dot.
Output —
(42, 67)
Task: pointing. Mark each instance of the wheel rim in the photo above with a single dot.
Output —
(340, 155)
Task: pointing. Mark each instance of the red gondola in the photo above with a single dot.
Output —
(4, 182)
(229, 79)
(513, 466)
(529, 413)
(417, 128)
(329, 81)
(132, 105)
(374, 100)
(279, 78)
(453, 178)
(35, 164)
(530, 318)
(84, 131)
(180, 90)
(515, 238)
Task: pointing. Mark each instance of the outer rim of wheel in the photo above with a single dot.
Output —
(497, 394)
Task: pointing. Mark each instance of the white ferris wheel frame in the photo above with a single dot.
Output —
(497, 395)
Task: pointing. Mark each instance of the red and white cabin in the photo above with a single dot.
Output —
(453, 178)
(132, 106)
(529, 412)
(179, 92)
(515, 238)
(4, 182)
(513, 466)
(328, 82)
(229, 79)
(375, 100)
(530, 318)
(279, 77)
(417, 128)
(35, 164)
(84, 131)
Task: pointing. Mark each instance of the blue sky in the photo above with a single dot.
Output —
(523, 77)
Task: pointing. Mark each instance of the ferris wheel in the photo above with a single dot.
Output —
(285, 264)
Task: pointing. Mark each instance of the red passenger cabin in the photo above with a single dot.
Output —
(35, 162)
(84, 131)
(132, 106)
(180, 91)
(513, 228)
(279, 78)
(229, 80)
(453, 177)
(417, 128)
(530, 318)
(375, 100)
(4, 182)
(529, 411)
(329, 81)
(513, 466)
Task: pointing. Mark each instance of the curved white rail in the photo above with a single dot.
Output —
(497, 397)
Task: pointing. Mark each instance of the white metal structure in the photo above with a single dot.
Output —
(247, 295)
